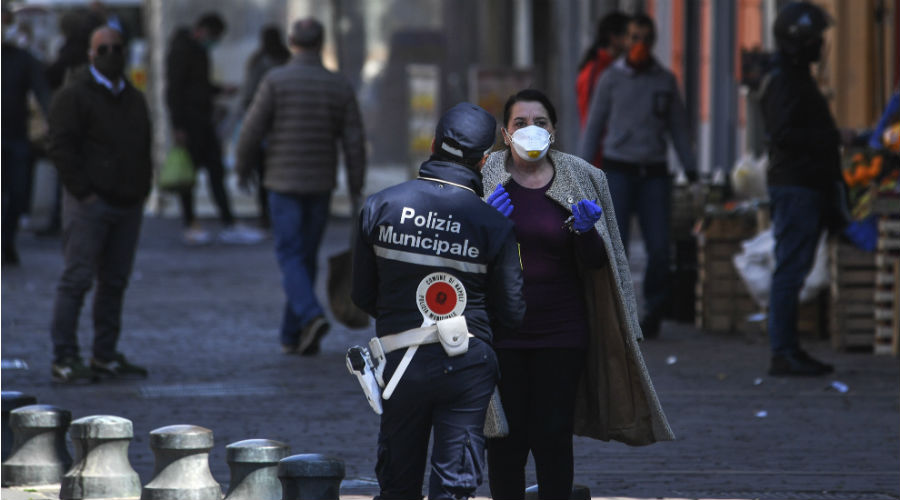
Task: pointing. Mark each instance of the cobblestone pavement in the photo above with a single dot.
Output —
(204, 321)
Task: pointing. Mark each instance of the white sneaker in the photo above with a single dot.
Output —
(196, 236)
(239, 234)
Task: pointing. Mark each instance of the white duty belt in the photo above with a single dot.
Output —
(452, 333)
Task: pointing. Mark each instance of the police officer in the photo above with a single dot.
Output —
(429, 252)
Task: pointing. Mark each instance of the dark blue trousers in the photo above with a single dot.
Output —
(448, 396)
(796, 225)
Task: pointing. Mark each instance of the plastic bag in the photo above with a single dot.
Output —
(756, 263)
(177, 172)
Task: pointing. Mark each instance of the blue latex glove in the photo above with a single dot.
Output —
(499, 199)
(586, 214)
(863, 234)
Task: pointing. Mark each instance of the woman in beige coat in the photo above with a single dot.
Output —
(574, 367)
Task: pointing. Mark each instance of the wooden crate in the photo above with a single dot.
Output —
(886, 314)
(852, 273)
(722, 300)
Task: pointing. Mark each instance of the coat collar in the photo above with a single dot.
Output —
(453, 173)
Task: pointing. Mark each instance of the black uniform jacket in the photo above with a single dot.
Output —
(436, 223)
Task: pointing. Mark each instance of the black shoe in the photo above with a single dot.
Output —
(650, 326)
(798, 364)
(311, 335)
(71, 370)
(10, 256)
(119, 367)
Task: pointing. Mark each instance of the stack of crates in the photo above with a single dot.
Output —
(887, 286)
(722, 300)
(852, 273)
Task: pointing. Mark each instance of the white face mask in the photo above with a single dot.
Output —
(531, 143)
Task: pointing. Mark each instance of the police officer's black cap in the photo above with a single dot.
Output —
(466, 131)
(307, 32)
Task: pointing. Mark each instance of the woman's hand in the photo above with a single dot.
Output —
(586, 214)
(499, 199)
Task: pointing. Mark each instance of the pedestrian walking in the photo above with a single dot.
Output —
(438, 269)
(100, 144)
(803, 178)
(189, 97)
(302, 111)
(23, 74)
(638, 105)
(609, 43)
(272, 52)
(574, 366)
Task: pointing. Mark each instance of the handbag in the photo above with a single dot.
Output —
(495, 423)
(177, 172)
(340, 276)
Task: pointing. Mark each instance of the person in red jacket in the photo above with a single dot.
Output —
(609, 43)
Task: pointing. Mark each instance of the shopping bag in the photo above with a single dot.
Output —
(340, 277)
(495, 423)
(177, 172)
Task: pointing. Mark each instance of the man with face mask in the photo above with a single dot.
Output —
(638, 104)
(100, 144)
(803, 178)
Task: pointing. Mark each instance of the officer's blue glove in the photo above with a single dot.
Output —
(586, 214)
(499, 199)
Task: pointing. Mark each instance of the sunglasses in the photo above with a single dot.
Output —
(116, 48)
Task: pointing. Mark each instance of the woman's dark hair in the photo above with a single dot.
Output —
(613, 24)
(645, 21)
(272, 43)
(533, 95)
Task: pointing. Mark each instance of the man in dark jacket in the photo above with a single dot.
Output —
(189, 97)
(428, 251)
(804, 173)
(22, 74)
(100, 144)
(302, 111)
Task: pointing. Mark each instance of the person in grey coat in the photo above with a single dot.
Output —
(302, 111)
(637, 103)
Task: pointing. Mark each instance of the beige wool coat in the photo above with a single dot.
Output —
(616, 399)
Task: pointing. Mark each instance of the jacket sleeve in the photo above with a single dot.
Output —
(255, 127)
(353, 142)
(66, 142)
(365, 271)
(782, 109)
(176, 77)
(598, 115)
(39, 85)
(506, 305)
(679, 129)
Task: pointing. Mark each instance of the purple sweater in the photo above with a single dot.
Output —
(555, 314)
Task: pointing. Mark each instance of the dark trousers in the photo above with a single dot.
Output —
(16, 186)
(649, 196)
(537, 388)
(99, 241)
(796, 225)
(449, 396)
(206, 152)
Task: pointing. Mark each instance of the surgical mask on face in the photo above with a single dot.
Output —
(639, 55)
(531, 143)
(111, 64)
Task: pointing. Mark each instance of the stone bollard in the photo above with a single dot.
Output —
(579, 492)
(39, 455)
(311, 477)
(101, 468)
(11, 401)
(181, 469)
(254, 469)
